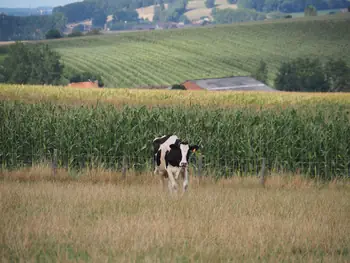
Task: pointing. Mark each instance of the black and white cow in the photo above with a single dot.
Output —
(166, 140)
(172, 161)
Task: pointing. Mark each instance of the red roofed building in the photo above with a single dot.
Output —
(85, 84)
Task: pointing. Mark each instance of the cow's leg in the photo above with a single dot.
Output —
(162, 180)
(171, 180)
(155, 172)
(186, 179)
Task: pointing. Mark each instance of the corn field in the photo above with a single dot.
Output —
(314, 139)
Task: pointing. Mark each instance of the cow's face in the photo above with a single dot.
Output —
(183, 150)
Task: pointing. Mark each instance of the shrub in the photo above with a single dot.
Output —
(76, 34)
(53, 33)
(178, 86)
(261, 72)
(95, 31)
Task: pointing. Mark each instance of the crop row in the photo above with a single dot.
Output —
(133, 59)
(316, 141)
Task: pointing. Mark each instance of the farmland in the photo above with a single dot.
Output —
(291, 131)
(172, 56)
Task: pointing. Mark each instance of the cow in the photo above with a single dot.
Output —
(165, 140)
(172, 161)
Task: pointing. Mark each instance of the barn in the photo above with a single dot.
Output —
(235, 83)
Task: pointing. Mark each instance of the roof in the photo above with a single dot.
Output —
(86, 84)
(232, 83)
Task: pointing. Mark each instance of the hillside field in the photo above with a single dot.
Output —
(173, 56)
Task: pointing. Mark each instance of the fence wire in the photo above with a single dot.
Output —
(200, 165)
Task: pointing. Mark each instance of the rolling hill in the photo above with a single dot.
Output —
(172, 56)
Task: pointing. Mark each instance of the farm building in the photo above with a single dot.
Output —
(85, 84)
(228, 83)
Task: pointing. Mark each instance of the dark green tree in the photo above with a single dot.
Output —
(2, 73)
(209, 3)
(52, 34)
(125, 15)
(261, 72)
(337, 74)
(99, 18)
(229, 15)
(32, 64)
(301, 74)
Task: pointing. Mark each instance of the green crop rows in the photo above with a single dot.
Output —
(314, 140)
(168, 57)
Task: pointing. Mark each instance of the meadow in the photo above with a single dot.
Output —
(292, 132)
(100, 217)
(173, 56)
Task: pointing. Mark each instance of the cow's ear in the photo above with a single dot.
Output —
(194, 148)
(177, 142)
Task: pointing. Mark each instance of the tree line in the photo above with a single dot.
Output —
(29, 27)
(306, 74)
(37, 64)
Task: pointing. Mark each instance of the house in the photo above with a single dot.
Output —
(233, 83)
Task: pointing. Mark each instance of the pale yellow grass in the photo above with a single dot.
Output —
(151, 98)
(227, 6)
(134, 221)
(196, 4)
(197, 8)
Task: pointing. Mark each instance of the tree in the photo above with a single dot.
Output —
(229, 15)
(32, 64)
(301, 74)
(125, 15)
(261, 72)
(310, 10)
(99, 18)
(2, 74)
(209, 3)
(53, 33)
(337, 74)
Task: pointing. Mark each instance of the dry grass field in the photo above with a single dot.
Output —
(97, 216)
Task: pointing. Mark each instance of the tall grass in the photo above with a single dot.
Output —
(231, 221)
(314, 140)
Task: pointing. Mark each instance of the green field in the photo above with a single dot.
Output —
(172, 56)
(292, 131)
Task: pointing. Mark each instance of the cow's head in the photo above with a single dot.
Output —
(182, 150)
